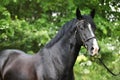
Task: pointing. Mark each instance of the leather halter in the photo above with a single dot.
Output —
(90, 38)
(84, 41)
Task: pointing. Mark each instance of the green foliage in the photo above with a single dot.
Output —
(29, 24)
(20, 34)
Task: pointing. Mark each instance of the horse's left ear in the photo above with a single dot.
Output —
(78, 14)
(92, 13)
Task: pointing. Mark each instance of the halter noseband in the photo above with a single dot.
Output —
(90, 38)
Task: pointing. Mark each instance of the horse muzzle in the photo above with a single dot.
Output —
(93, 47)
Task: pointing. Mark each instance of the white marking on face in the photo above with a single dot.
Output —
(90, 29)
(96, 47)
(95, 44)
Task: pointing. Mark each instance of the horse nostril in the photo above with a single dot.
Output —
(92, 49)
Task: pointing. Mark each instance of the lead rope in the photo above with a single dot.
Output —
(108, 68)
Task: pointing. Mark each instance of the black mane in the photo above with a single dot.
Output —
(66, 27)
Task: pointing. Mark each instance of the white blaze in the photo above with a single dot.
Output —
(95, 44)
(91, 32)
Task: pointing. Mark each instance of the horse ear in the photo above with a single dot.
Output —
(78, 14)
(92, 13)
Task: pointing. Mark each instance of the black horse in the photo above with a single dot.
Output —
(56, 60)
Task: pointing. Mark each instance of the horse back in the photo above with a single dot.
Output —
(8, 54)
(6, 58)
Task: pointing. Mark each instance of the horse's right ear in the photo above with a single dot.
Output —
(78, 14)
(92, 13)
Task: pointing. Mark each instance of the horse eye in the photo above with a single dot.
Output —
(81, 28)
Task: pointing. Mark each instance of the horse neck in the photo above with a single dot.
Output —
(63, 53)
(59, 59)
(72, 49)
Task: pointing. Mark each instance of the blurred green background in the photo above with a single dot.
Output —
(29, 24)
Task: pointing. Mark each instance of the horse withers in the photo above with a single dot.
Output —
(56, 59)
